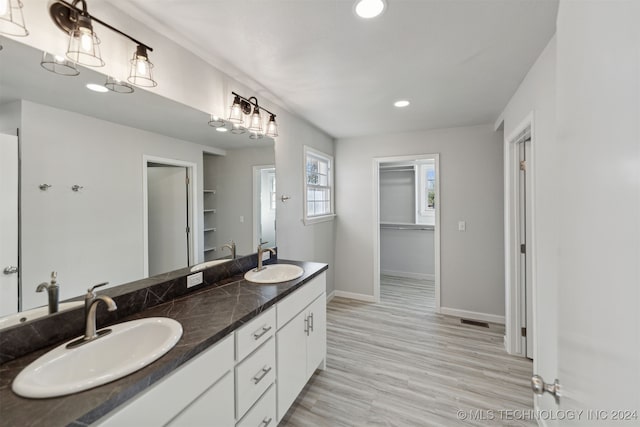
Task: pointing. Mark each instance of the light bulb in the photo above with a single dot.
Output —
(59, 59)
(141, 66)
(86, 40)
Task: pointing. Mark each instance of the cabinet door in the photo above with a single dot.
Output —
(317, 339)
(213, 408)
(291, 361)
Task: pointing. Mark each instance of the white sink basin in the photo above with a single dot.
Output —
(35, 313)
(129, 347)
(208, 264)
(275, 273)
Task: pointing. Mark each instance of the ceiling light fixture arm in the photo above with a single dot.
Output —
(65, 20)
(247, 102)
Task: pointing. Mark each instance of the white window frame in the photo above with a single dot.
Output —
(319, 218)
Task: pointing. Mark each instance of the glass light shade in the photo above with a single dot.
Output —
(272, 127)
(12, 19)
(141, 69)
(238, 129)
(255, 121)
(236, 112)
(216, 122)
(255, 135)
(84, 47)
(118, 86)
(58, 64)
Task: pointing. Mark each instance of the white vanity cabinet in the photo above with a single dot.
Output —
(249, 378)
(199, 393)
(300, 341)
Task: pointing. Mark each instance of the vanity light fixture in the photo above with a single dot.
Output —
(249, 106)
(140, 74)
(12, 19)
(58, 64)
(84, 44)
(368, 9)
(118, 86)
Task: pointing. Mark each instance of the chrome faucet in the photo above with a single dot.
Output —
(91, 302)
(232, 248)
(53, 290)
(261, 250)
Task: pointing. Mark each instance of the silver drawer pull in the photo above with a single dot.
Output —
(263, 373)
(265, 422)
(306, 325)
(311, 322)
(259, 335)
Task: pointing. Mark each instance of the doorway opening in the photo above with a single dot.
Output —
(264, 205)
(169, 216)
(519, 243)
(407, 223)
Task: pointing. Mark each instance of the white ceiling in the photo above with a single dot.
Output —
(457, 61)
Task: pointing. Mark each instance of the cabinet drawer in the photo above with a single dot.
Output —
(263, 413)
(289, 307)
(254, 375)
(213, 408)
(159, 404)
(254, 333)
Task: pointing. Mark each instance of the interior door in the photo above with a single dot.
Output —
(168, 218)
(525, 267)
(8, 224)
(599, 210)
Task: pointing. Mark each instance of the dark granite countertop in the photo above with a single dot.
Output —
(206, 316)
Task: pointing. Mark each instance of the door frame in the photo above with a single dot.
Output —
(515, 301)
(257, 170)
(376, 220)
(192, 174)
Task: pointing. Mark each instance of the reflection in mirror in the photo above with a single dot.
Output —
(84, 205)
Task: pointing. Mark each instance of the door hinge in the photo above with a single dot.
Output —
(523, 248)
(186, 180)
(188, 230)
(523, 165)
(523, 332)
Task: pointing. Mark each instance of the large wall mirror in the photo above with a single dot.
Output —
(114, 187)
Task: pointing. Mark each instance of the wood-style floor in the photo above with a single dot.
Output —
(397, 363)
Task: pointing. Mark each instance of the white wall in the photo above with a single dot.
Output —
(537, 95)
(232, 172)
(407, 253)
(10, 117)
(471, 189)
(186, 78)
(93, 235)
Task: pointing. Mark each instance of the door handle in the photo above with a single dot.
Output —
(539, 387)
(10, 270)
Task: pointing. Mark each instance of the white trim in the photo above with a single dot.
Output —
(318, 219)
(192, 171)
(472, 315)
(376, 221)
(514, 296)
(409, 275)
(321, 218)
(354, 296)
(331, 296)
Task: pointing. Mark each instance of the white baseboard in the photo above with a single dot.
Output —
(473, 315)
(352, 295)
(409, 275)
(331, 296)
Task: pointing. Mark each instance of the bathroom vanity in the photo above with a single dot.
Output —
(246, 352)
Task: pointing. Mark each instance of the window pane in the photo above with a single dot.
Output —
(310, 209)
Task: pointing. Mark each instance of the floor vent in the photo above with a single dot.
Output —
(474, 323)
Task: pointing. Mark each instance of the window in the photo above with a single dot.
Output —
(318, 186)
(427, 193)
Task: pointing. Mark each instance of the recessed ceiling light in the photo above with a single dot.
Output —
(401, 103)
(97, 88)
(222, 129)
(369, 8)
